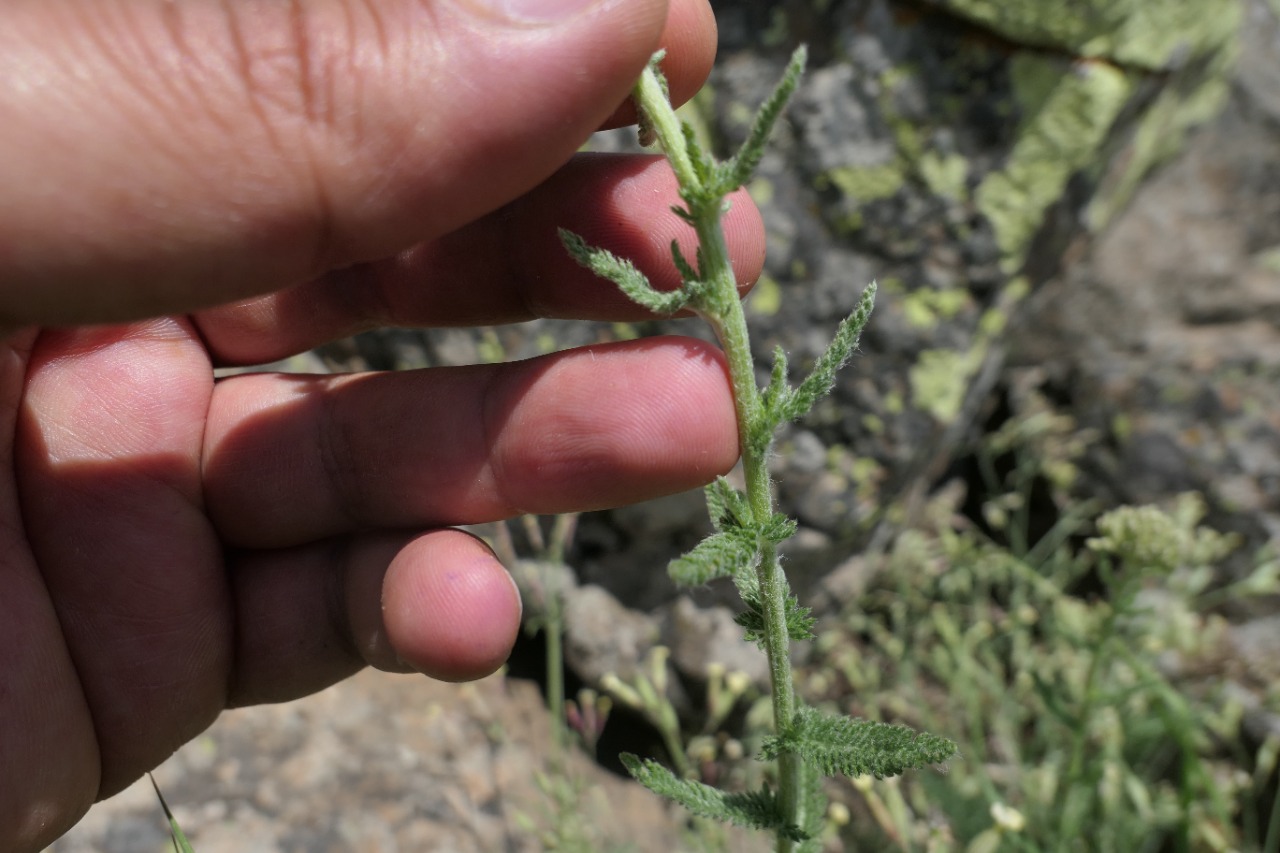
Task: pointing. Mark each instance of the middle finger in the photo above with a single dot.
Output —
(292, 459)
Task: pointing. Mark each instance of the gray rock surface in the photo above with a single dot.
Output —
(1164, 337)
(378, 764)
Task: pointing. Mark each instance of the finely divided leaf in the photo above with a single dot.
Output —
(779, 528)
(800, 620)
(726, 505)
(720, 555)
(686, 270)
(820, 381)
(738, 169)
(778, 392)
(623, 273)
(849, 747)
(753, 810)
(702, 164)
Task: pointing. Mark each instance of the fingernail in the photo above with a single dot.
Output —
(538, 11)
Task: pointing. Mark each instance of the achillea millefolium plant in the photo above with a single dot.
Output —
(806, 744)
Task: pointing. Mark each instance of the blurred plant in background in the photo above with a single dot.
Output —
(1070, 669)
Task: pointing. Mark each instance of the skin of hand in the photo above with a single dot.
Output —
(192, 183)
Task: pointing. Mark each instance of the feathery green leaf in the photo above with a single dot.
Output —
(686, 270)
(800, 620)
(850, 747)
(720, 555)
(778, 393)
(623, 273)
(752, 809)
(703, 166)
(778, 528)
(819, 383)
(739, 168)
(684, 215)
(726, 505)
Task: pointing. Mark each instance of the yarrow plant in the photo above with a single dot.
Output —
(807, 744)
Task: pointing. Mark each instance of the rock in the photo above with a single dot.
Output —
(957, 152)
(698, 637)
(1163, 336)
(603, 636)
(378, 764)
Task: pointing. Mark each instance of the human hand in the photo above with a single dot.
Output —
(263, 178)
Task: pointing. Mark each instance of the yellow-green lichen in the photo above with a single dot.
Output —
(766, 297)
(761, 191)
(1151, 34)
(993, 322)
(547, 343)
(1067, 112)
(489, 348)
(851, 222)
(1268, 259)
(924, 308)
(740, 114)
(893, 402)
(1195, 39)
(906, 136)
(865, 183)
(940, 380)
(946, 175)
(867, 474)
(625, 332)
(1122, 427)
(1160, 134)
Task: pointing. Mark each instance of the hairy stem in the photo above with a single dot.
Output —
(721, 307)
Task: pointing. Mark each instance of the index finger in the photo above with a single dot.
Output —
(506, 267)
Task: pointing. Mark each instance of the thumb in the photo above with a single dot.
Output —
(161, 156)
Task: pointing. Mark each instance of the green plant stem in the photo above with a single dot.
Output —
(1080, 735)
(554, 633)
(720, 305)
(551, 552)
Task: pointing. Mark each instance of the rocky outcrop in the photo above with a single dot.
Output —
(965, 154)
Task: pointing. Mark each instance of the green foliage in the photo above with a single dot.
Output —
(726, 505)
(719, 555)
(688, 274)
(623, 273)
(849, 747)
(1083, 683)
(799, 619)
(784, 404)
(747, 530)
(739, 168)
(754, 809)
(1161, 541)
